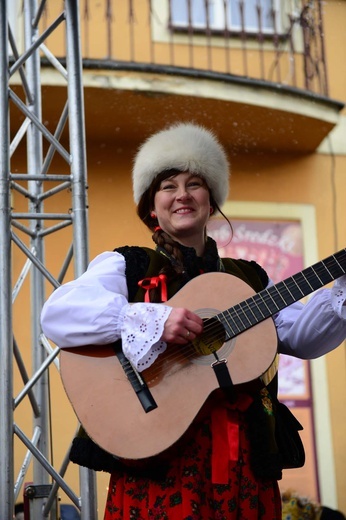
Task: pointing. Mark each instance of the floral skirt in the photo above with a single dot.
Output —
(204, 480)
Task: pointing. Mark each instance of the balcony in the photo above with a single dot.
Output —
(255, 71)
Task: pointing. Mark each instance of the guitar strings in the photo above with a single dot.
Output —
(265, 297)
(175, 353)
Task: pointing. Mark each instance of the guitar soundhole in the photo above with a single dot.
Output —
(211, 340)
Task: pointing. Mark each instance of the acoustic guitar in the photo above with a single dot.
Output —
(134, 416)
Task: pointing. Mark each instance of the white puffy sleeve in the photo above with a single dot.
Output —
(94, 309)
(310, 330)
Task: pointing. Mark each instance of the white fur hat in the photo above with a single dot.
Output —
(184, 147)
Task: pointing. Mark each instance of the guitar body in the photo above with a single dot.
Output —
(107, 405)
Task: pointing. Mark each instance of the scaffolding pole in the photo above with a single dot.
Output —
(6, 382)
(27, 231)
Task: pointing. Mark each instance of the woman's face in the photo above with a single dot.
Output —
(182, 207)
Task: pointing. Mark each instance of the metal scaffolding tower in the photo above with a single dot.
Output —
(27, 231)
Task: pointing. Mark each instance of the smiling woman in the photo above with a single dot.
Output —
(182, 209)
(171, 363)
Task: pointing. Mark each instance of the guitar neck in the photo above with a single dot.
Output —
(269, 301)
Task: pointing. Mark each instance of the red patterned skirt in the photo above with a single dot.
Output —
(208, 478)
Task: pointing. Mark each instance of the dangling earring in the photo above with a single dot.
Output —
(153, 215)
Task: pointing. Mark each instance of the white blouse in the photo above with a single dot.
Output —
(94, 309)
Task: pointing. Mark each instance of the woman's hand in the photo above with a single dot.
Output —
(182, 326)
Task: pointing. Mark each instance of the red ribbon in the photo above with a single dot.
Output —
(225, 434)
(151, 283)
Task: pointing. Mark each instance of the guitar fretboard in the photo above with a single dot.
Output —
(268, 302)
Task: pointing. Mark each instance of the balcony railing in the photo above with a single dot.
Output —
(277, 41)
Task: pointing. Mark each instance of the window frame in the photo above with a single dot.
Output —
(306, 214)
(221, 27)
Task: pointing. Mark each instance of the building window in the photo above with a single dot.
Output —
(252, 16)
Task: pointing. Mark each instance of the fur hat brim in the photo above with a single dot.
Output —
(184, 147)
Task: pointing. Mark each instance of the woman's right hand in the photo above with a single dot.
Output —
(182, 326)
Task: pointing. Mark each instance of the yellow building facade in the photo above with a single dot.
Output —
(279, 115)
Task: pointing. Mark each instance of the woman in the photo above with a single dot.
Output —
(227, 464)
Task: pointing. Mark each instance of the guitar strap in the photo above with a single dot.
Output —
(224, 378)
(138, 384)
